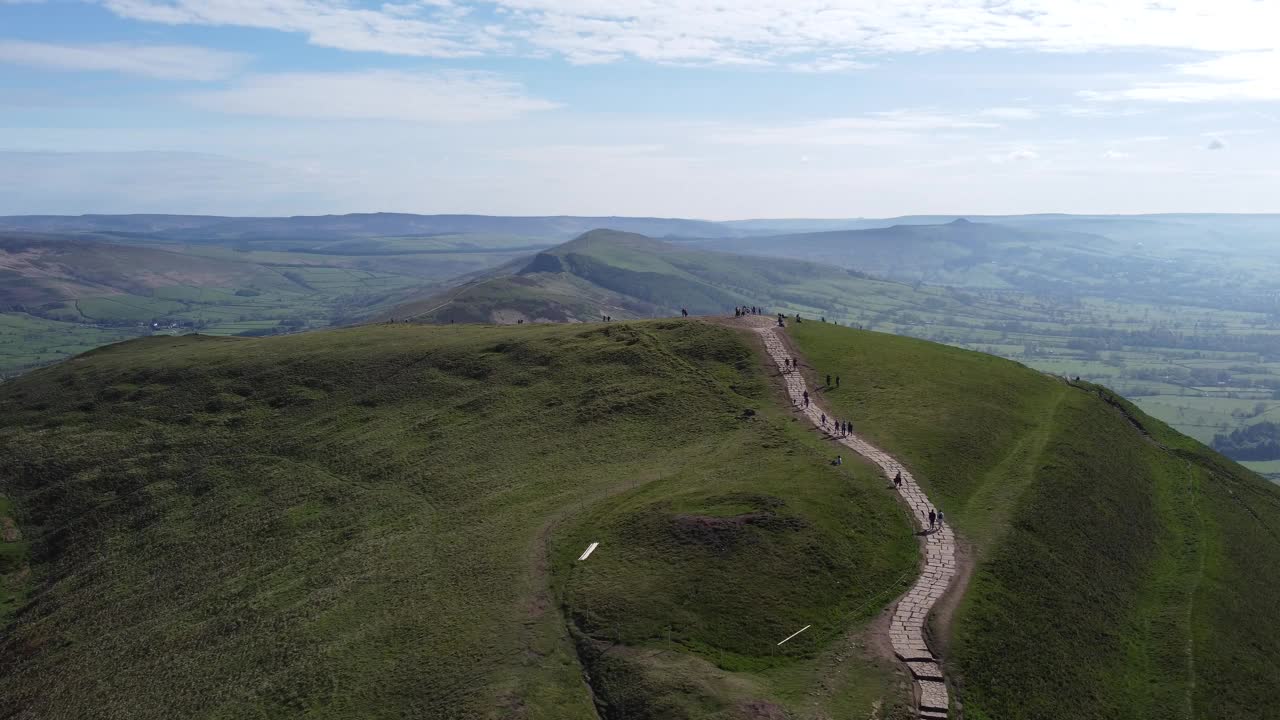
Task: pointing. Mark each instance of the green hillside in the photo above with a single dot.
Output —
(1123, 569)
(382, 522)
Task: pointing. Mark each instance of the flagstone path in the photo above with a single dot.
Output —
(907, 628)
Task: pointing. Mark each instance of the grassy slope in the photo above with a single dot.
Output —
(351, 524)
(1117, 577)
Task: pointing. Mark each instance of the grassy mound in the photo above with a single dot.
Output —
(355, 523)
(725, 560)
(1122, 568)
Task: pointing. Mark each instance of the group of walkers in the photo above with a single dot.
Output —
(606, 318)
(744, 311)
(839, 428)
(844, 428)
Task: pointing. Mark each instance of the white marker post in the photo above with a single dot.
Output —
(806, 627)
(587, 553)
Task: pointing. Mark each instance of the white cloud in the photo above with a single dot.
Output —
(1216, 144)
(1240, 76)
(1116, 155)
(881, 128)
(1016, 155)
(434, 29)
(1094, 111)
(1010, 113)
(801, 34)
(837, 62)
(446, 97)
(167, 62)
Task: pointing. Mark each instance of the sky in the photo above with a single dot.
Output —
(716, 109)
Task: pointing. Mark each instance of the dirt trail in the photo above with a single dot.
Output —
(907, 629)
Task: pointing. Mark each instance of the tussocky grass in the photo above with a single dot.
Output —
(1124, 570)
(352, 524)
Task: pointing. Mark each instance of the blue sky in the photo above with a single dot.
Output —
(697, 108)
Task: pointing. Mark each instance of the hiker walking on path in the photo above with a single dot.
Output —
(828, 381)
(910, 618)
(932, 518)
(848, 428)
(824, 420)
(787, 362)
(684, 312)
(941, 515)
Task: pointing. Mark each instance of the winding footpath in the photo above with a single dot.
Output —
(907, 628)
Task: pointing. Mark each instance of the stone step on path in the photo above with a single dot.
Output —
(907, 627)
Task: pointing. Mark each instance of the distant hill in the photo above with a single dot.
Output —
(65, 292)
(625, 275)
(37, 269)
(194, 228)
(959, 252)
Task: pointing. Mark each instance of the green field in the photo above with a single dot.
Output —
(28, 342)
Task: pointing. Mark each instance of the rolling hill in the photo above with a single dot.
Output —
(625, 275)
(61, 294)
(385, 520)
(38, 269)
(959, 253)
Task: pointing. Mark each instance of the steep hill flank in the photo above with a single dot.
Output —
(1124, 570)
